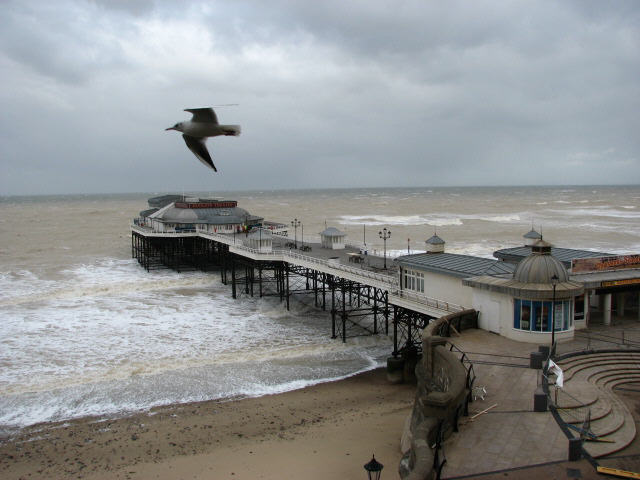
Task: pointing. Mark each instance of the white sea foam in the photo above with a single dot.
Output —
(111, 329)
(598, 211)
(436, 219)
(380, 220)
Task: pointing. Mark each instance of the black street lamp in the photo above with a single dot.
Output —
(295, 224)
(373, 468)
(384, 235)
(554, 282)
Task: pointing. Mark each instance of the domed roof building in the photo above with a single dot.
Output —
(537, 297)
(540, 266)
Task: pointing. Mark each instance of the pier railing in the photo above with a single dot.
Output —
(389, 282)
(430, 302)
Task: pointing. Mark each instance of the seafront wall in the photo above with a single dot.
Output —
(442, 395)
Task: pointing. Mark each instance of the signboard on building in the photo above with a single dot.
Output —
(603, 264)
(618, 283)
(222, 204)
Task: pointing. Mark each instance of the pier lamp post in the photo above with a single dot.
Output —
(295, 224)
(384, 235)
(373, 468)
(554, 283)
(408, 246)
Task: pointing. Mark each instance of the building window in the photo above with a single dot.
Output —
(536, 315)
(413, 280)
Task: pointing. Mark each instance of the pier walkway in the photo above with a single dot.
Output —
(357, 284)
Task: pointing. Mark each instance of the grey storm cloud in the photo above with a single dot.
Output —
(330, 93)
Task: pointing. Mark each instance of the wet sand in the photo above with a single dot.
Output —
(324, 431)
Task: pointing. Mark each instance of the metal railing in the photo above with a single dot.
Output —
(391, 283)
(146, 230)
(430, 302)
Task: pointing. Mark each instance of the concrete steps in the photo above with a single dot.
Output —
(588, 387)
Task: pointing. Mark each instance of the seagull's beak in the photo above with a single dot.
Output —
(170, 128)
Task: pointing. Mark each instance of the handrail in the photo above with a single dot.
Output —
(431, 302)
(390, 282)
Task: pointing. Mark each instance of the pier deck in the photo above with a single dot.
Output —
(357, 284)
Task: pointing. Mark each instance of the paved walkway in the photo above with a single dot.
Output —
(345, 256)
(511, 440)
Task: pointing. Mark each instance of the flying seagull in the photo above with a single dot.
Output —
(203, 124)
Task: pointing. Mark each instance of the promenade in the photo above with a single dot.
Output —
(511, 440)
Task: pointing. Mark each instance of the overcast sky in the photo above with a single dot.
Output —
(330, 93)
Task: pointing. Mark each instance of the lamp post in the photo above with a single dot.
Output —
(384, 235)
(295, 224)
(373, 468)
(554, 282)
(408, 249)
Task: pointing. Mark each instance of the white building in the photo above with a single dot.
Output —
(332, 238)
(177, 214)
(529, 289)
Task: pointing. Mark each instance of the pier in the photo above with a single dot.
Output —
(362, 296)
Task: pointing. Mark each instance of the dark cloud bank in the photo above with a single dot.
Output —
(330, 94)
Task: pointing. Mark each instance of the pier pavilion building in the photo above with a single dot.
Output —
(528, 289)
(179, 213)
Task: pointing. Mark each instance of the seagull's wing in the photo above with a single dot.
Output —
(199, 149)
(202, 115)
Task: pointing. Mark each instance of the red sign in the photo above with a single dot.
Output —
(602, 264)
(228, 204)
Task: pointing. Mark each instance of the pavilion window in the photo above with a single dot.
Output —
(535, 315)
(413, 280)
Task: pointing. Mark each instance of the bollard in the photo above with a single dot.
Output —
(536, 359)
(540, 400)
(575, 449)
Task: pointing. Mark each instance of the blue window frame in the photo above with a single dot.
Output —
(536, 315)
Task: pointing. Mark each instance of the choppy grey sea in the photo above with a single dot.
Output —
(86, 331)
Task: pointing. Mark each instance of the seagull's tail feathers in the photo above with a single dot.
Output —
(232, 130)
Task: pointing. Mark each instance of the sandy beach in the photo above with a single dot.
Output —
(328, 430)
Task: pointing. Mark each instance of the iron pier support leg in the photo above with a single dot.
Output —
(324, 291)
(287, 275)
(344, 314)
(315, 287)
(375, 311)
(260, 279)
(223, 266)
(233, 279)
(395, 331)
(333, 310)
(386, 313)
